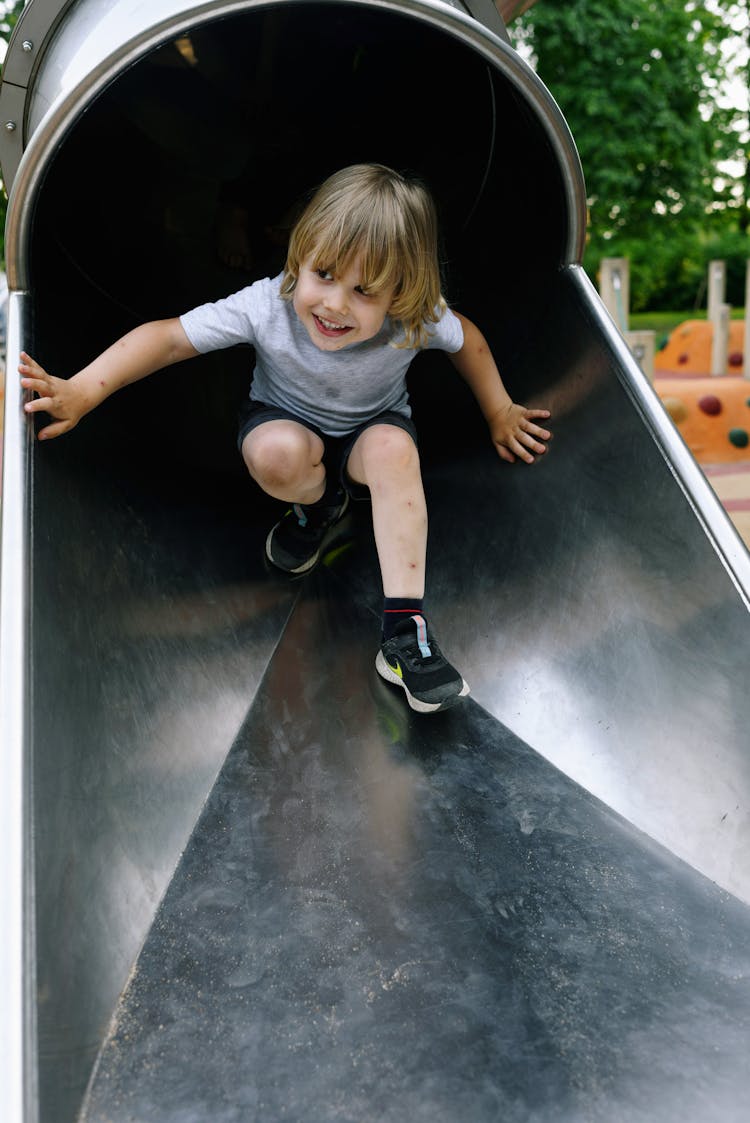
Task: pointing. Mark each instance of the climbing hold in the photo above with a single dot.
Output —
(736, 359)
(739, 438)
(683, 358)
(710, 404)
(676, 409)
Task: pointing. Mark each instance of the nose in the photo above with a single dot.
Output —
(337, 300)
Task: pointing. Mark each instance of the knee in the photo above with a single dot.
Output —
(276, 459)
(390, 449)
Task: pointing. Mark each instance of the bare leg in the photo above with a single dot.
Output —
(386, 459)
(284, 458)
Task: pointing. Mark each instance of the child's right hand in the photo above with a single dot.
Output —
(62, 400)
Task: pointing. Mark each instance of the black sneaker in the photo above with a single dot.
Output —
(412, 659)
(295, 546)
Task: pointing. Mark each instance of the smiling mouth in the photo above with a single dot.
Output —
(329, 328)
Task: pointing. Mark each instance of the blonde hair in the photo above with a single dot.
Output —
(370, 213)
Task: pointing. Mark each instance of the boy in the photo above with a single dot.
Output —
(328, 417)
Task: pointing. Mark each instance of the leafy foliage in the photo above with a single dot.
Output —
(638, 82)
(9, 13)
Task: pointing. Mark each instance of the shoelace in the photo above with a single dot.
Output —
(422, 641)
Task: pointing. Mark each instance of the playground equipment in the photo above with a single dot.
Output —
(703, 378)
(699, 373)
(614, 289)
(728, 341)
(238, 884)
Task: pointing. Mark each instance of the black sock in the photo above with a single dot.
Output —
(316, 513)
(399, 608)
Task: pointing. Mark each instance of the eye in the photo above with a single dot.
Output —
(324, 274)
(362, 291)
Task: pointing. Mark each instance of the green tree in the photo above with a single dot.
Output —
(743, 27)
(10, 10)
(639, 83)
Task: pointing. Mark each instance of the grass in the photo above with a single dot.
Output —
(665, 322)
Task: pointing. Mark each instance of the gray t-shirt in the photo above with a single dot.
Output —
(335, 390)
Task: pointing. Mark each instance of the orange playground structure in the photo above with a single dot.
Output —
(711, 412)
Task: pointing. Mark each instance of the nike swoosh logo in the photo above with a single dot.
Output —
(396, 669)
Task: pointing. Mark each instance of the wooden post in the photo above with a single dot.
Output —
(717, 289)
(643, 346)
(614, 289)
(720, 340)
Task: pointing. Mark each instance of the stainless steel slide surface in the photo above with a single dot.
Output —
(382, 917)
(501, 912)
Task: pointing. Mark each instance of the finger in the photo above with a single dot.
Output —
(38, 385)
(529, 413)
(534, 430)
(527, 426)
(30, 366)
(524, 453)
(534, 445)
(43, 405)
(55, 430)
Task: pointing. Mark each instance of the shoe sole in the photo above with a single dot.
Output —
(420, 707)
(329, 537)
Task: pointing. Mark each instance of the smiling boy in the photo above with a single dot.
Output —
(328, 416)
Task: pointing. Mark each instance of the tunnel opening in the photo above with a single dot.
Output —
(221, 131)
(178, 185)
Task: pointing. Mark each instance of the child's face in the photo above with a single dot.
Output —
(335, 308)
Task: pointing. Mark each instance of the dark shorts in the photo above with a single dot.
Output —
(337, 449)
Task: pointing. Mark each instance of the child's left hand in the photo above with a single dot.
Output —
(515, 434)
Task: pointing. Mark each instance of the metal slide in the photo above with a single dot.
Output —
(242, 881)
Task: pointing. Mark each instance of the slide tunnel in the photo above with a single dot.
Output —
(241, 881)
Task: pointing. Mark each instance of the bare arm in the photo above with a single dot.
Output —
(512, 427)
(142, 351)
